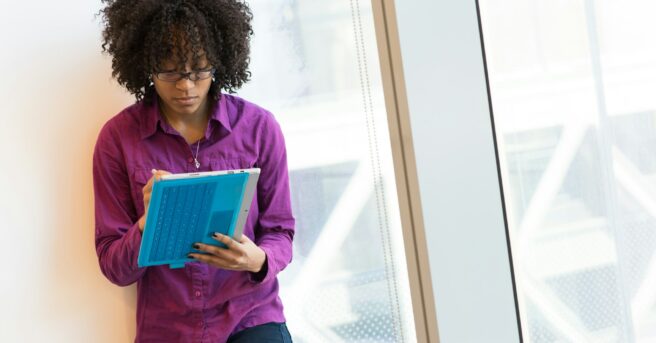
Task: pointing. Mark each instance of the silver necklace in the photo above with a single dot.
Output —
(196, 157)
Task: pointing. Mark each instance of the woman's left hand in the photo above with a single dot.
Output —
(238, 255)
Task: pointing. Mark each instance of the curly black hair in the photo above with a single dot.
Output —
(141, 34)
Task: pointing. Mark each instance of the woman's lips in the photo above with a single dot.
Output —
(185, 100)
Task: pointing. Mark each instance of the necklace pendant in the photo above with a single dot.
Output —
(197, 163)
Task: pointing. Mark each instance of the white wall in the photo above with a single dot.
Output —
(55, 94)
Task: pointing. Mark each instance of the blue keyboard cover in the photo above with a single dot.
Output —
(187, 211)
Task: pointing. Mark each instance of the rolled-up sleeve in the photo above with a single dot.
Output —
(275, 227)
(117, 235)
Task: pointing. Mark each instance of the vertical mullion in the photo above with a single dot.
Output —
(405, 171)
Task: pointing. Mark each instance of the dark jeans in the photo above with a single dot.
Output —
(265, 333)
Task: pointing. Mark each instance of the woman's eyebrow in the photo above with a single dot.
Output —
(166, 67)
(204, 68)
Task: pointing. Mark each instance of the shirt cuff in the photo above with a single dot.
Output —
(265, 274)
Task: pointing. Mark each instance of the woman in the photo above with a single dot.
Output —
(176, 56)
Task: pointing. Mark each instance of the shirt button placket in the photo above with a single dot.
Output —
(197, 286)
(197, 283)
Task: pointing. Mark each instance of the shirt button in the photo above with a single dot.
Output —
(197, 293)
(190, 159)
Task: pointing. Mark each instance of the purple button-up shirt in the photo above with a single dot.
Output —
(198, 303)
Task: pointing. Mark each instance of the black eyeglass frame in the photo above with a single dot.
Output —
(192, 75)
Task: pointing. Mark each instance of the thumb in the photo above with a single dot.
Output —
(158, 173)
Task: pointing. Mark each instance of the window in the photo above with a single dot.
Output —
(573, 87)
(315, 66)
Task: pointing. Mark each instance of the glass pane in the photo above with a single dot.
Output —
(315, 66)
(573, 87)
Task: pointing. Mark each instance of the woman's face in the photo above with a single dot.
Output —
(183, 97)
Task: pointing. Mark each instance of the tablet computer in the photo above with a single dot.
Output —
(189, 208)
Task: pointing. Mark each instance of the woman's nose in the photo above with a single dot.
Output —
(184, 84)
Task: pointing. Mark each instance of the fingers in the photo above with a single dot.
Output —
(233, 254)
(214, 250)
(232, 244)
(233, 248)
(238, 255)
(148, 188)
(242, 239)
(224, 239)
(216, 261)
(218, 257)
(157, 175)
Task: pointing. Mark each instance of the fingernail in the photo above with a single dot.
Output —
(196, 246)
(216, 234)
(153, 171)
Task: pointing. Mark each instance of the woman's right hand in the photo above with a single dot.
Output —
(147, 192)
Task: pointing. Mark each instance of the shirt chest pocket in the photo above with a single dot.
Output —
(139, 180)
(229, 164)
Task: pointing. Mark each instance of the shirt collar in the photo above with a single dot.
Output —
(151, 117)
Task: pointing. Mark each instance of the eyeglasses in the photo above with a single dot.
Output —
(174, 76)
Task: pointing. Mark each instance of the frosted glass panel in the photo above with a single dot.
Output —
(573, 87)
(315, 66)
